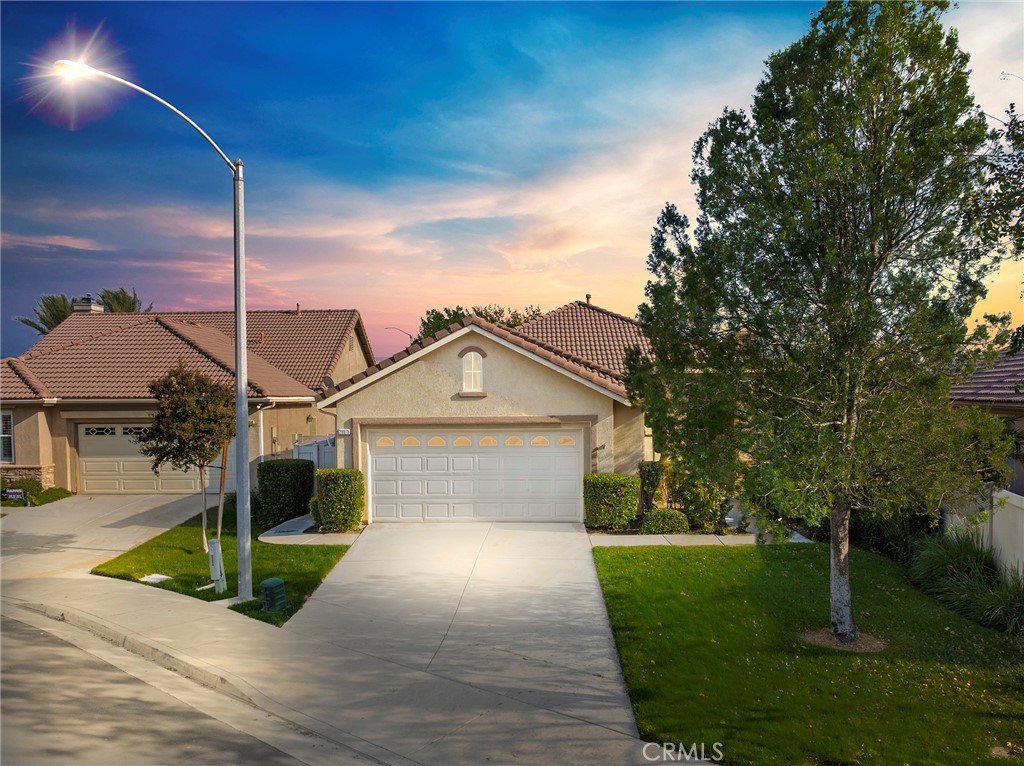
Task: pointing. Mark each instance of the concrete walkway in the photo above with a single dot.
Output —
(490, 648)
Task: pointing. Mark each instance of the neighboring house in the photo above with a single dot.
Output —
(70, 405)
(999, 388)
(482, 421)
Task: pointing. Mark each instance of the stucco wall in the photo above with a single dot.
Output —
(351, 361)
(631, 446)
(516, 386)
(33, 452)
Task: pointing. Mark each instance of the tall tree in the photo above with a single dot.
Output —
(195, 417)
(803, 346)
(120, 301)
(438, 319)
(51, 310)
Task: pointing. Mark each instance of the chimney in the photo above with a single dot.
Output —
(88, 305)
(298, 310)
(588, 299)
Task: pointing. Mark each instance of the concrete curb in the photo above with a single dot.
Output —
(216, 679)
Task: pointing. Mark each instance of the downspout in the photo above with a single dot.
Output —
(260, 409)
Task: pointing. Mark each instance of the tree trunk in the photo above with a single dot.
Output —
(839, 573)
(223, 476)
(202, 481)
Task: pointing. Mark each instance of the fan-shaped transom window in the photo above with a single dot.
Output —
(566, 441)
(437, 441)
(513, 441)
(385, 441)
(410, 441)
(462, 441)
(539, 441)
(488, 441)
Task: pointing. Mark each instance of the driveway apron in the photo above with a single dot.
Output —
(510, 608)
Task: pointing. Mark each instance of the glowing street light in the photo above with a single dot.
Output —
(74, 70)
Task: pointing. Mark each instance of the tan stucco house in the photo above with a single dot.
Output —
(70, 405)
(999, 388)
(481, 421)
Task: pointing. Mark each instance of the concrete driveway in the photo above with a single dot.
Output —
(75, 534)
(509, 608)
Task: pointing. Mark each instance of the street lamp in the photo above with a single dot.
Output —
(76, 69)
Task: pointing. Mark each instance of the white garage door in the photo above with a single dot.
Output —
(479, 474)
(110, 463)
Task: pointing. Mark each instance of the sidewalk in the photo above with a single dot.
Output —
(383, 710)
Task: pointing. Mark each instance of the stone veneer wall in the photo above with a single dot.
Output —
(43, 473)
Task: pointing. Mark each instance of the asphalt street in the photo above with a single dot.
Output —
(62, 705)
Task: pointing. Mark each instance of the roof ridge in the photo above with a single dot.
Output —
(172, 326)
(28, 377)
(609, 312)
(139, 318)
(496, 329)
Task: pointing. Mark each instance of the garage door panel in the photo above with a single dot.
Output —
(437, 487)
(386, 510)
(488, 464)
(489, 474)
(463, 463)
(437, 464)
(411, 510)
(385, 464)
(437, 510)
(385, 487)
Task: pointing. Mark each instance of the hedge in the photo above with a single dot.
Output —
(341, 499)
(610, 500)
(664, 521)
(285, 487)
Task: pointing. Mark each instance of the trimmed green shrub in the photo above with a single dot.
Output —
(705, 505)
(651, 472)
(664, 521)
(610, 500)
(285, 487)
(341, 499)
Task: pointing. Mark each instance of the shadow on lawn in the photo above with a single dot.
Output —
(792, 587)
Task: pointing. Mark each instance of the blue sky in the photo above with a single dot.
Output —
(398, 156)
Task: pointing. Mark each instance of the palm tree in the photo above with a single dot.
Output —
(50, 312)
(119, 301)
(54, 309)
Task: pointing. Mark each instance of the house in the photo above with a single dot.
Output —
(999, 388)
(482, 421)
(71, 404)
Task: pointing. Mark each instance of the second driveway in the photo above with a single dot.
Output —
(511, 608)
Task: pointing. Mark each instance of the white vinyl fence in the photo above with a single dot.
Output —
(1004, 529)
(321, 451)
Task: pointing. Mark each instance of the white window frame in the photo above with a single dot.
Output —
(6, 434)
(473, 372)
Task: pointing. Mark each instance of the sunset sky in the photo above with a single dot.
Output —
(398, 157)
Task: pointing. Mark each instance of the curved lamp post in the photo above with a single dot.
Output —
(75, 69)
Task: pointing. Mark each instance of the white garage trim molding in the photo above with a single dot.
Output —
(469, 469)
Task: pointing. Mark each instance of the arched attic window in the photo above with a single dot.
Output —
(472, 370)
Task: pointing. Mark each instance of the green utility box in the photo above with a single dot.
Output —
(274, 599)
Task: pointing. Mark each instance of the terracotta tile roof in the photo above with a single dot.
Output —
(589, 332)
(595, 373)
(123, 356)
(17, 381)
(305, 346)
(994, 385)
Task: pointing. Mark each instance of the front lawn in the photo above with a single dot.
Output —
(709, 640)
(178, 552)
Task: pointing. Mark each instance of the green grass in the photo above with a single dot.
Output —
(46, 496)
(178, 552)
(710, 647)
